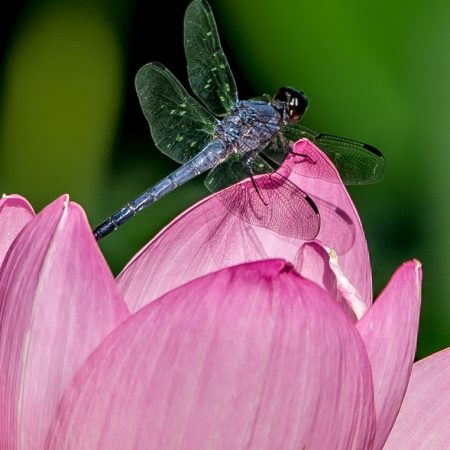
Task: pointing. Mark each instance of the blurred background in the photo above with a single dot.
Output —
(377, 71)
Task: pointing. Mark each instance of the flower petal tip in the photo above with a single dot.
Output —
(414, 263)
(414, 266)
(15, 200)
(15, 213)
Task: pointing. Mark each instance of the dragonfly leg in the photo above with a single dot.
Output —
(287, 145)
(258, 191)
(248, 159)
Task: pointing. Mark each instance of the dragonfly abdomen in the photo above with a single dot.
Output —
(203, 161)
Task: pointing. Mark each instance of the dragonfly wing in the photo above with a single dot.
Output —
(269, 200)
(276, 151)
(357, 163)
(179, 125)
(273, 201)
(209, 73)
(233, 170)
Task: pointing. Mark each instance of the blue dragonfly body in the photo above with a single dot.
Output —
(250, 126)
(227, 136)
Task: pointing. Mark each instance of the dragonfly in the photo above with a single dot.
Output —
(237, 141)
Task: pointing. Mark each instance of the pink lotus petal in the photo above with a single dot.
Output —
(208, 237)
(251, 357)
(340, 228)
(389, 330)
(58, 300)
(15, 213)
(423, 421)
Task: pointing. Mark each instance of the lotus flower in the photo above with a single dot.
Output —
(217, 335)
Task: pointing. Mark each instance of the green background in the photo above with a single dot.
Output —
(376, 71)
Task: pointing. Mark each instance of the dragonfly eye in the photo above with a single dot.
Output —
(291, 101)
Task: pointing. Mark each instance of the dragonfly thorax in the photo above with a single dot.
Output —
(249, 125)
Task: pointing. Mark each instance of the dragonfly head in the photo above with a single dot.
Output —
(291, 103)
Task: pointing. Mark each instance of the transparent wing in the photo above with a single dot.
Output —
(179, 125)
(233, 170)
(277, 151)
(208, 69)
(272, 201)
(269, 200)
(357, 163)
